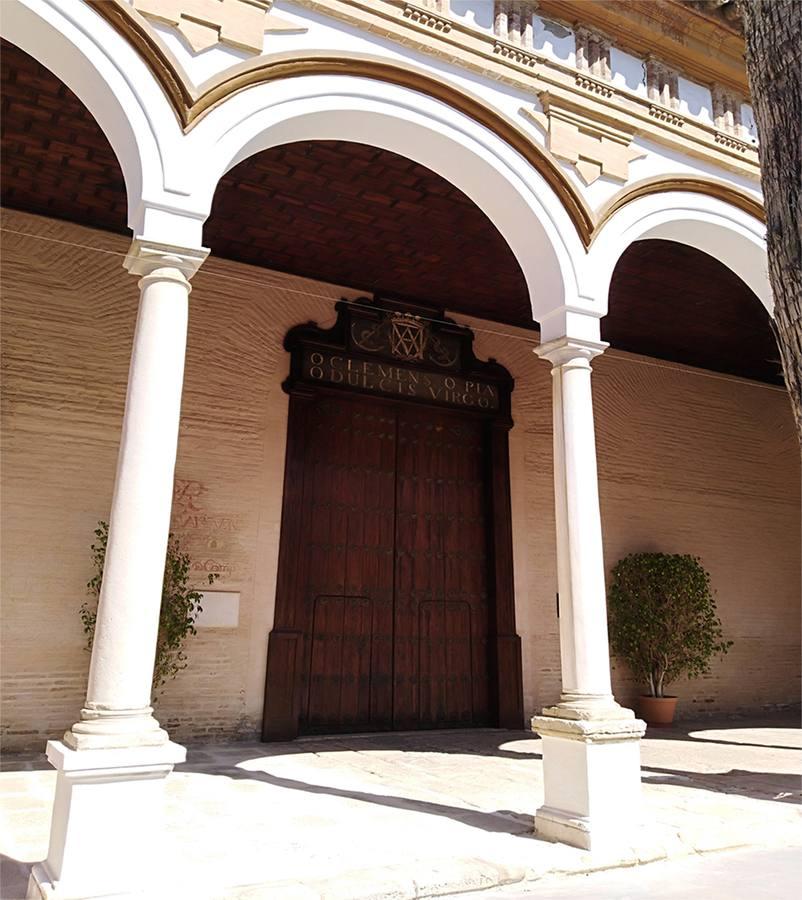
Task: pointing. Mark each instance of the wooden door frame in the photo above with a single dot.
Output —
(286, 643)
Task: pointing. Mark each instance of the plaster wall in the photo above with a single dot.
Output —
(689, 462)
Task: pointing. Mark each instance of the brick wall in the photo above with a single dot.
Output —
(688, 463)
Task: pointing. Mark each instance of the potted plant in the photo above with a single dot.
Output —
(663, 623)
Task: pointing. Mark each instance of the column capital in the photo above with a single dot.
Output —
(145, 256)
(565, 349)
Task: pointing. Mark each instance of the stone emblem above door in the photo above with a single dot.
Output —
(398, 350)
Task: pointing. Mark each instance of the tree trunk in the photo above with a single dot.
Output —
(773, 31)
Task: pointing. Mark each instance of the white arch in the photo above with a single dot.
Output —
(512, 194)
(726, 233)
(114, 83)
(171, 176)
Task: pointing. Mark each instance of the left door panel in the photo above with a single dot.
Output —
(346, 565)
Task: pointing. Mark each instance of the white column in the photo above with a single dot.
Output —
(591, 753)
(584, 649)
(106, 831)
(117, 712)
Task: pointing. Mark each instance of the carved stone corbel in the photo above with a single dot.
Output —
(204, 23)
(595, 148)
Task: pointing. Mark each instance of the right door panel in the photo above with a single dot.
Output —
(441, 585)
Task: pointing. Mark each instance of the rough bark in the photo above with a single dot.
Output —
(773, 32)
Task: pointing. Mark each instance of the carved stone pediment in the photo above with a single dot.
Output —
(398, 350)
(204, 23)
(594, 147)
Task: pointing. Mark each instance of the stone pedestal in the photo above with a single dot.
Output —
(591, 780)
(107, 831)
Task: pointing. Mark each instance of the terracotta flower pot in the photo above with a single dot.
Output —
(657, 710)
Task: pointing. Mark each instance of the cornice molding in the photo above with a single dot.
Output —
(427, 17)
(190, 104)
(690, 40)
(528, 71)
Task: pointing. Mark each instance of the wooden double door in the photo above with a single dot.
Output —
(385, 570)
(394, 571)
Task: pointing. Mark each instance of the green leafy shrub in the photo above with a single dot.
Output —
(179, 609)
(662, 618)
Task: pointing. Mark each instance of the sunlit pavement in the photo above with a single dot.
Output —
(729, 875)
(425, 814)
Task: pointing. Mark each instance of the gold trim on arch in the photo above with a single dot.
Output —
(191, 104)
(695, 184)
(126, 21)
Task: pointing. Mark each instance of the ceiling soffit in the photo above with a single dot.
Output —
(674, 302)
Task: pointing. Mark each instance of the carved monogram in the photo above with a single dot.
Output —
(407, 337)
(404, 336)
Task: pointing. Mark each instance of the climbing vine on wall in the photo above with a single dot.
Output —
(179, 608)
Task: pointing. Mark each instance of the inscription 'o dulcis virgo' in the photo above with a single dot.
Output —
(387, 378)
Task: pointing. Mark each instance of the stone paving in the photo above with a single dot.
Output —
(426, 814)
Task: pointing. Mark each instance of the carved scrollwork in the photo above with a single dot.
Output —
(368, 337)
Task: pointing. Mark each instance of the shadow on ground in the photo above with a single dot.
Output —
(500, 821)
(743, 782)
(778, 733)
(454, 777)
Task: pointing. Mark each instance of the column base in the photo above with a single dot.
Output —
(107, 830)
(100, 728)
(590, 707)
(591, 774)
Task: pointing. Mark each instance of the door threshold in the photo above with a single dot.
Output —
(418, 732)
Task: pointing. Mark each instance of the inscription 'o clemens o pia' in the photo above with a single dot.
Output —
(386, 378)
